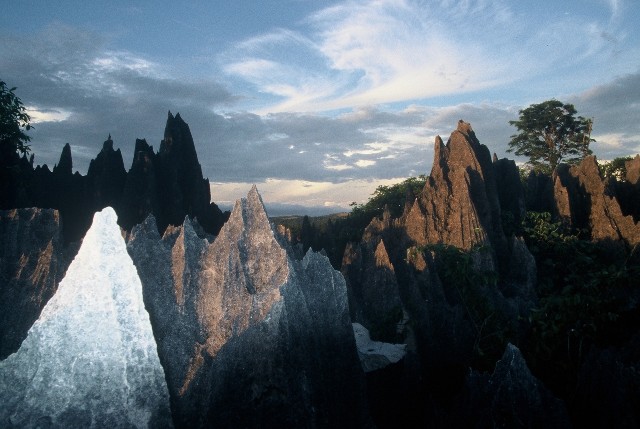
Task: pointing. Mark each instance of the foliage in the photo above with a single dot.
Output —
(393, 197)
(579, 283)
(465, 283)
(336, 235)
(615, 168)
(14, 121)
(549, 133)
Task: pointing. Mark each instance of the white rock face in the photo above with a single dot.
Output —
(90, 360)
(375, 354)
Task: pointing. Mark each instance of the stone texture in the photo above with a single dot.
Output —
(90, 360)
(32, 263)
(249, 335)
(446, 323)
(585, 203)
(375, 355)
(510, 397)
(373, 289)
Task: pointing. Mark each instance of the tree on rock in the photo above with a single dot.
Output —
(549, 133)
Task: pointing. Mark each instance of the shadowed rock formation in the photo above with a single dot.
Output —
(459, 283)
(168, 184)
(32, 263)
(248, 335)
(511, 397)
(106, 178)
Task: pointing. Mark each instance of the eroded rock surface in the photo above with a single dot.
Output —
(32, 263)
(584, 202)
(249, 336)
(90, 360)
(511, 397)
(460, 283)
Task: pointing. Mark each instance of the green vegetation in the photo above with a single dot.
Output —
(615, 168)
(14, 121)
(466, 284)
(393, 197)
(580, 285)
(334, 232)
(549, 133)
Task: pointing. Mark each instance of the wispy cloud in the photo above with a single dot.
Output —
(365, 53)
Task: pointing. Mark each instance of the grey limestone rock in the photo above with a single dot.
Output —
(90, 360)
(265, 339)
(510, 397)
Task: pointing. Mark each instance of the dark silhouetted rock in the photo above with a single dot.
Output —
(248, 335)
(106, 178)
(510, 194)
(32, 263)
(539, 193)
(179, 177)
(168, 185)
(511, 397)
(90, 360)
(140, 194)
(608, 391)
(70, 198)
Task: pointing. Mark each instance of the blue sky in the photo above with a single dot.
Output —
(317, 102)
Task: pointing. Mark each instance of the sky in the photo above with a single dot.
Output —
(316, 102)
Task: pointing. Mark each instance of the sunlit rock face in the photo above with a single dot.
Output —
(585, 202)
(90, 360)
(249, 336)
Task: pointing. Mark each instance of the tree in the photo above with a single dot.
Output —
(14, 121)
(616, 168)
(549, 133)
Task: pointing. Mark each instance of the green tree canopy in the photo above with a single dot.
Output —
(550, 133)
(616, 168)
(14, 121)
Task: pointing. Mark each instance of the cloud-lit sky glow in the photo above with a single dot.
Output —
(317, 102)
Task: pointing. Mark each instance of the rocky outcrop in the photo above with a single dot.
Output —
(32, 263)
(106, 178)
(248, 335)
(510, 397)
(168, 184)
(374, 296)
(510, 194)
(140, 193)
(90, 360)
(627, 191)
(460, 284)
(583, 201)
(183, 189)
(459, 205)
(375, 355)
